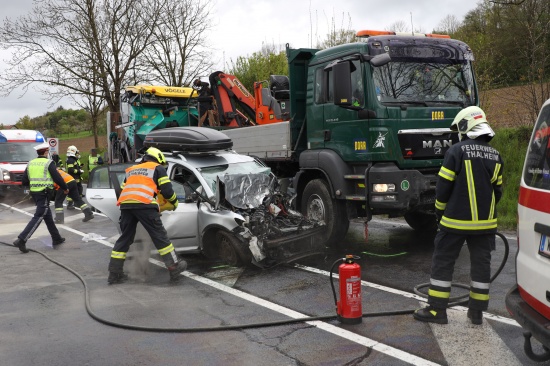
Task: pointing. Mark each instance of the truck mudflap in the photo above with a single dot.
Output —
(529, 319)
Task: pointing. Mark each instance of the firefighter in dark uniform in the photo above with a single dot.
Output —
(73, 193)
(469, 186)
(40, 175)
(74, 168)
(138, 203)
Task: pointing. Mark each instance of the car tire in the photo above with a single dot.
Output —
(231, 250)
(318, 204)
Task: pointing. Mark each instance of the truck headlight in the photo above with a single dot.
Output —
(383, 187)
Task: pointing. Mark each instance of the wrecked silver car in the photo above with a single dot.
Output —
(230, 207)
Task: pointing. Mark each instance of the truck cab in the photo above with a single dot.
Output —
(375, 117)
(16, 150)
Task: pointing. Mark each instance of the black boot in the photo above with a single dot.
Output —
(70, 205)
(115, 278)
(21, 244)
(58, 241)
(59, 218)
(176, 270)
(116, 274)
(475, 316)
(431, 315)
(88, 214)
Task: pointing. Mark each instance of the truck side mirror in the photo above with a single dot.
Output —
(341, 77)
(380, 60)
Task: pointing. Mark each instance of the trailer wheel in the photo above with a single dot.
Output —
(317, 204)
(422, 222)
(231, 250)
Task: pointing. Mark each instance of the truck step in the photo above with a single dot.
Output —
(356, 198)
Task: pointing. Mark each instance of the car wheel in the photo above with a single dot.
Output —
(317, 204)
(231, 250)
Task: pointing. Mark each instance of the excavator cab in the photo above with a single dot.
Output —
(273, 102)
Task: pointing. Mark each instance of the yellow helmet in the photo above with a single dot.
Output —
(157, 155)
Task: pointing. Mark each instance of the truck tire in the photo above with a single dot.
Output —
(231, 250)
(421, 222)
(317, 204)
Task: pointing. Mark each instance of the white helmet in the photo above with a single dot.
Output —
(42, 147)
(71, 150)
(471, 121)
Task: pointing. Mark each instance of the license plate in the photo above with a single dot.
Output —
(543, 247)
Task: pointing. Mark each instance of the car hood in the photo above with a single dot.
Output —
(244, 191)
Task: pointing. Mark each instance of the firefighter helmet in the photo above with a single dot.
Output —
(71, 150)
(157, 155)
(467, 119)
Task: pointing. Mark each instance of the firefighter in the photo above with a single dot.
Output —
(205, 103)
(73, 193)
(75, 170)
(40, 175)
(138, 204)
(94, 160)
(469, 186)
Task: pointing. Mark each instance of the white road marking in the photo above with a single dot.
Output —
(367, 342)
(462, 342)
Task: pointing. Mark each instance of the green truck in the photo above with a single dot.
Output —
(368, 126)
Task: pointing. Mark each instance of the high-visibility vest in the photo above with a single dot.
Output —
(39, 176)
(66, 177)
(140, 186)
(92, 162)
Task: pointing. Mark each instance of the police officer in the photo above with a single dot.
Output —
(468, 189)
(138, 204)
(60, 196)
(40, 175)
(75, 170)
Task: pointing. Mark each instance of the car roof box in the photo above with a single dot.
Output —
(188, 139)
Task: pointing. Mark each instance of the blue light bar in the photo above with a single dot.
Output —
(39, 137)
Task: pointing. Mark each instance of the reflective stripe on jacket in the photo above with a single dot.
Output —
(66, 177)
(468, 188)
(140, 187)
(39, 176)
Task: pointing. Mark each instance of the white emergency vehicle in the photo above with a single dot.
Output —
(16, 150)
(529, 301)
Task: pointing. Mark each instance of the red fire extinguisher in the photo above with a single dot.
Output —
(349, 308)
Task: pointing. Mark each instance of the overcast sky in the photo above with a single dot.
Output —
(241, 27)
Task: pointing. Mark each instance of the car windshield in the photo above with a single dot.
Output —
(13, 152)
(211, 173)
(406, 81)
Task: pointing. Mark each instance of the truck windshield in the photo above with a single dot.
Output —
(15, 152)
(424, 83)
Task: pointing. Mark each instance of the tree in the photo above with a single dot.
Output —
(449, 25)
(259, 67)
(338, 36)
(180, 51)
(90, 49)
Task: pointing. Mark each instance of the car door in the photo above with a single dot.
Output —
(182, 224)
(104, 187)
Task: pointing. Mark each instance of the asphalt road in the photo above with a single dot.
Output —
(44, 321)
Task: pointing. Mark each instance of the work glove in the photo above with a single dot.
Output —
(175, 204)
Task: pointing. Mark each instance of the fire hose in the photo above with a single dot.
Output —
(340, 316)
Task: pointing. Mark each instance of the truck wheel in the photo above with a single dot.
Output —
(317, 204)
(231, 250)
(422, 222)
